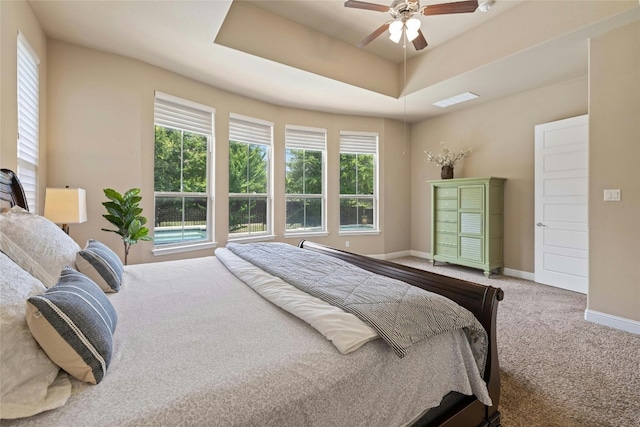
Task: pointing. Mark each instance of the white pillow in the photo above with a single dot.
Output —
(30, 381)
(36, 244)
(344, 330)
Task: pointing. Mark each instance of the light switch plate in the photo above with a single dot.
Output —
(612, 195)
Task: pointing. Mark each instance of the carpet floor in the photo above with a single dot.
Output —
(556, 369)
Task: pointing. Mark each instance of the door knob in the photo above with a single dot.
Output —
(540, 224)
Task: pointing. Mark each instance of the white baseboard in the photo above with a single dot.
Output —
(425, 255)
(520, 274)
(526, 275)
(397, 255)
(612, 321)
(392, 255)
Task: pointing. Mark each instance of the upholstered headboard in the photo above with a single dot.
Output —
(11, 191)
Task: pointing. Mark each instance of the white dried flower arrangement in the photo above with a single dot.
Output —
(447, 158)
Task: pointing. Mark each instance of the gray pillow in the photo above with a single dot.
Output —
(98, 262)
(36, 244)
(74, 322)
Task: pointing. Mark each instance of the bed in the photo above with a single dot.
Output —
(195, 345)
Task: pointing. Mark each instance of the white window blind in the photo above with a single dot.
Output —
(305, 179)
(183, 189)
(299, 138)
(178, 116)
(358, 143)
(250, 131)
(28, 120)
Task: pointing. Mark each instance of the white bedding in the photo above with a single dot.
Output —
(344, 330)
(195, 346)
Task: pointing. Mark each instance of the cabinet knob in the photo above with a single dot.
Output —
(540, 224)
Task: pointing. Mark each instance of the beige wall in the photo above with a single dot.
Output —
(614, 122)
(101, 135)
(97, 131)
(14, 16)
(396, 188)
(501, 135)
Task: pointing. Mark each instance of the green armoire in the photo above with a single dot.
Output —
(467, 222)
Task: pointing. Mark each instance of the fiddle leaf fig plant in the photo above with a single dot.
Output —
(125, 213)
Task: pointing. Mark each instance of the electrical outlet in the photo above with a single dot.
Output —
(612, 195)
(346, 244)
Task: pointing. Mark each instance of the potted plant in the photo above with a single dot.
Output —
(125, 213)
(446, 160)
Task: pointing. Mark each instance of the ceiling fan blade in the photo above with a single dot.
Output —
(375, 34)
(365, 5)
(446, 8)
(419, 42)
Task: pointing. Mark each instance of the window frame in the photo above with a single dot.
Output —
(177, 114)
(28, 119)
(308, 139)
(253, 131)
(366, 143)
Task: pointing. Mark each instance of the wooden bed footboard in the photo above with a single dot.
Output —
(481, 300)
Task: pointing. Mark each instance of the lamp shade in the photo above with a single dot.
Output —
(413, 24)
(66, 205)
(411, 35)
(395, 31)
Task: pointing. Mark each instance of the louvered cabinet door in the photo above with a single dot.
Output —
(467, 222)
(471, 229)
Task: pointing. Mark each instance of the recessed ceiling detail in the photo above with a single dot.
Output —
(302, 54)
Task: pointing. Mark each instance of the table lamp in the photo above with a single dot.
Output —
(66, 206)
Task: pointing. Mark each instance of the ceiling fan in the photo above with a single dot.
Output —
(404, 22)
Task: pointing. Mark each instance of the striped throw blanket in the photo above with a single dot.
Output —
(402, 314)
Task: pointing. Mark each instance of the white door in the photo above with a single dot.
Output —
(561, 204)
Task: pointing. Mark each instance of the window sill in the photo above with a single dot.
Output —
(251, 238)
(359, 233)
(291, 235)
(170, 250)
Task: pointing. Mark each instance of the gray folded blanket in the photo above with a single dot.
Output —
(401, 313)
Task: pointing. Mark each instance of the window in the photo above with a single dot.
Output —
(358, 181)
(249, 177)
(304, 179)
(28, 120)
(182, 159)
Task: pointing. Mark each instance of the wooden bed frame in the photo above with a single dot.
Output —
(482, 301)
(11, 190)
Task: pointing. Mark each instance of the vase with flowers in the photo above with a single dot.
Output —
(446, 160)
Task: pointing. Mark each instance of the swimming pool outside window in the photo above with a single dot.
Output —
(358, 181)
(182, 163)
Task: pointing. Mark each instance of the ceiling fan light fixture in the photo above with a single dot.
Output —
(411, 35)
(413, 24)
(396, 27)
(395, 31)
(395, 37)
